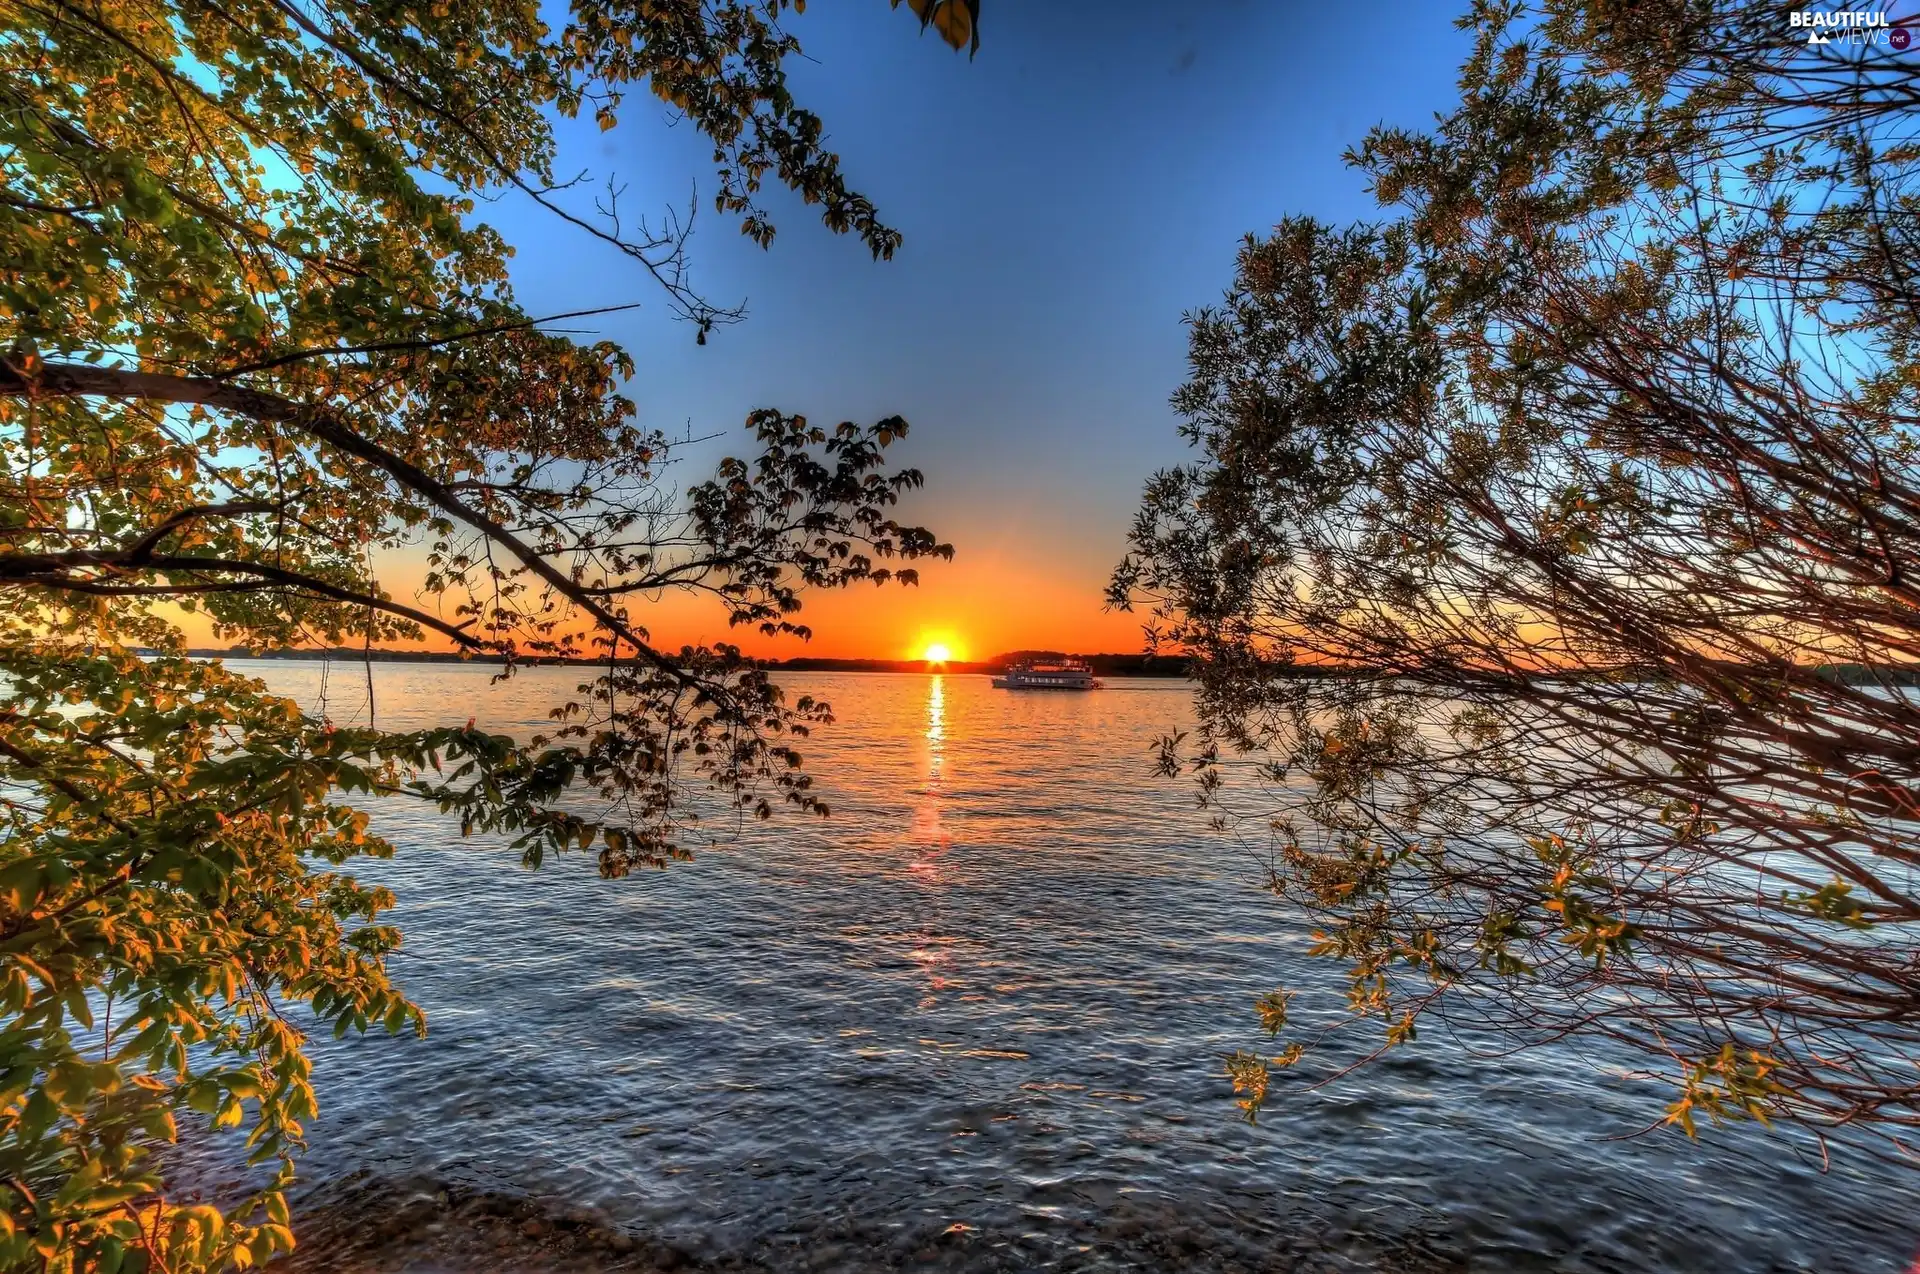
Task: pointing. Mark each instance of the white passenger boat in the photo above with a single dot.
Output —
(1051, 674)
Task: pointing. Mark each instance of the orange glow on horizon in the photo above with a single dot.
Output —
(982, 605)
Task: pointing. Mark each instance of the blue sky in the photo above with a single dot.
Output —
(1065, 197)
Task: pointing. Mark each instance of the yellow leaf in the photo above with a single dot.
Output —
(954, 22)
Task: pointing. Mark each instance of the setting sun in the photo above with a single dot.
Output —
(937, 654)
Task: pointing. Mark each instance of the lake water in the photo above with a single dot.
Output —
(979, 1015)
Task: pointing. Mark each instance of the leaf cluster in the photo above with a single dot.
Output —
(256, 340)
(1574, 482)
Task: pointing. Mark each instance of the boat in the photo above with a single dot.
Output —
(1047, 674)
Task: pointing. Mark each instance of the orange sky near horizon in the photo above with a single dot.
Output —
(977, 606)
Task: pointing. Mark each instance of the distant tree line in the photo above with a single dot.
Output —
(1116, 665)
(1109, 665)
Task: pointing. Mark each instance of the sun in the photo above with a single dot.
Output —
(937, 654)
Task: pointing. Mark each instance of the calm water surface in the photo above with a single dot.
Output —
(992, 991)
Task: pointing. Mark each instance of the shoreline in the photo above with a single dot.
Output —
(1146, 667)
(436, 1227)
(441, 1227)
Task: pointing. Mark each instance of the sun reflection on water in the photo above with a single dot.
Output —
(936, 725)
(929, 835)
(930, 842)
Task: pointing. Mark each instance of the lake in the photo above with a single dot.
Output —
(976, 1019)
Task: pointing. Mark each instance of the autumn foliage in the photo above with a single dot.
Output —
(253, 337)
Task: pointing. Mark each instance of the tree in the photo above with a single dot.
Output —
(255, 339)
(1587, 485)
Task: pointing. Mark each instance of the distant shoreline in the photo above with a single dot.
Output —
(1105, 665)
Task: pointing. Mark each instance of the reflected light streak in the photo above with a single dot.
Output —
(936, 729)
(927, 828)
(932, 841)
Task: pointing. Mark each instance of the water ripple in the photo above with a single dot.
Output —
(976, 1019)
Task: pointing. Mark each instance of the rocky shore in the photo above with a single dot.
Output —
(429, 1227)
(413, 1226)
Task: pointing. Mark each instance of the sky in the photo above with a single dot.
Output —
(1065, 197)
